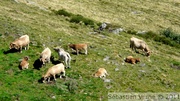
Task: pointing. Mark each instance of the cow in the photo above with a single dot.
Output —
(53, 71)
(64, 56)
(45, 56)
(136, 43)
(79, 47)
(24, 63)
(101, 73)
(132, 60)
(21, 42)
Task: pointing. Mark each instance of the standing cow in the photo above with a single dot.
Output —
(22, 42)
(136, 43)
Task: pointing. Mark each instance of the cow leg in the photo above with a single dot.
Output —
(77, 51)
(65, 60)
(64, 73)
(48, 79)
(21, 49)
(27, 46)
(86, 51)
(69, 62)
(54, 77)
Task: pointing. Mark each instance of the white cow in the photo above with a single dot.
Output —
(136, 43)
(64, 56)
(45, 56)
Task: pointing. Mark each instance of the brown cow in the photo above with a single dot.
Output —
(132, 60)
(101, 73)
(24, 63)
(79, 47)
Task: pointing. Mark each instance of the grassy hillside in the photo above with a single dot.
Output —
(108, 50)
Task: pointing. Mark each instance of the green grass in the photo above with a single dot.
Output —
(152, 74)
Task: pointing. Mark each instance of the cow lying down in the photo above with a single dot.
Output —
(101, 73)
(24, 63)
(132, 60)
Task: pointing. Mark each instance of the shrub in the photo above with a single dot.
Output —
(132, 32)
(167, 37)
(149, 35)
(63, 12)
(79, 18)
(76, 19)
(169, 33)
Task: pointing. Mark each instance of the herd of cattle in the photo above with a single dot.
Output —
(24, 41)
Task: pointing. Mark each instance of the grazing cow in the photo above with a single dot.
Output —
(45, 56)
(101, 73)
(79, 47)
(53, 71)
(64, 56)
(24, 63)
(132, 60)
(22, 42)
(136, 43)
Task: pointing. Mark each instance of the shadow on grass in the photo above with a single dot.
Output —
(10, 51)
(74, 53)
(37, 64)
(55, 62)
(52, 81)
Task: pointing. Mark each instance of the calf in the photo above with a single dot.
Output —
(132, 60)
(45, 56)
(53, 71)
(19, 43)
(101, 73)
(79, 47)
(136, 43)
(24, 63)
(64, 56)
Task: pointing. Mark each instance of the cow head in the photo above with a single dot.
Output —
(13, 46)
(44, 79)
(137, 60)
(42, 60)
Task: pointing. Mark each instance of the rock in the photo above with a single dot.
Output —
(106, 58)
(116, 69)
(107, 80)
(142, 64)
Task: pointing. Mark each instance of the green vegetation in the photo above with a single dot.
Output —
(157, 73)
(167, 37)
(169, 33)
(75, 18)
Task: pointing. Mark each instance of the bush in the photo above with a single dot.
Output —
(149, 35)
(63, 12)
(169, 33)
(167, 37)
(79, 18)
(132, 32)
(76, 19)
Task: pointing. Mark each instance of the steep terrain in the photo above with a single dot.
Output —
(157, 73)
